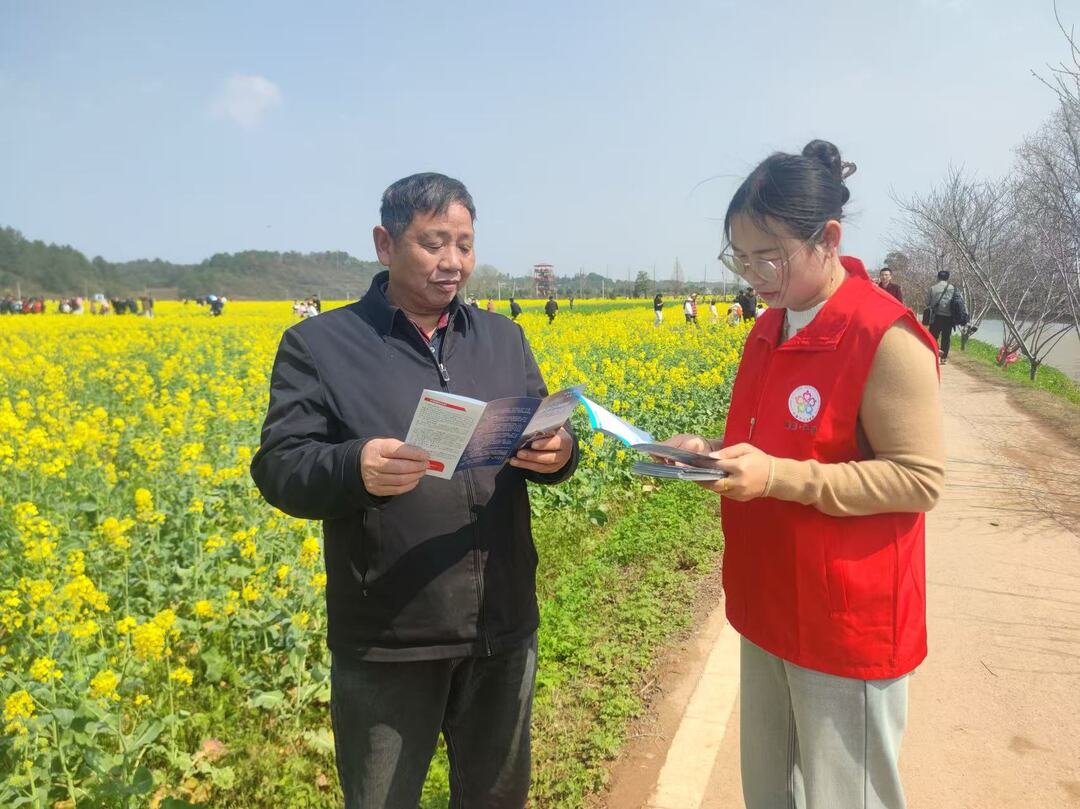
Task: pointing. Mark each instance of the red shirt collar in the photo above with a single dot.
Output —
(444, 321)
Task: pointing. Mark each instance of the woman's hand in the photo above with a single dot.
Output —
(748, 468)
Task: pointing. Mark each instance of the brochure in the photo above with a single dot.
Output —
(461, 433)
(697, 466)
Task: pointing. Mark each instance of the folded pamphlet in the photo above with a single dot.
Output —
(696, 466)
(462, 433)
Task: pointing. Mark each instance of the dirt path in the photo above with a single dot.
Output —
(995, 710)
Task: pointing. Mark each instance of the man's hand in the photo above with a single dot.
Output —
(545, 455)
(389, 467)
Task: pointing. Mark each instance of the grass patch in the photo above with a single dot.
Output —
(1048, 378)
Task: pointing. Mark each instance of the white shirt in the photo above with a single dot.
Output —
(794, 321)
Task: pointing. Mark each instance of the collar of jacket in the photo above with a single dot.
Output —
(825, 331)
(381, 313)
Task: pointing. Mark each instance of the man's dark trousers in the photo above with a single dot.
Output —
(941, 330)
(387, 718)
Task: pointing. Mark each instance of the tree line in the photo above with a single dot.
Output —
(33, 267)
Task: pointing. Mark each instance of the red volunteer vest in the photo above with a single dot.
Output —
(841, 595)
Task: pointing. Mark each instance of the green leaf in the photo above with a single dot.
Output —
(321, 740)
(64, 717)
(223, 777)
(267, 699)
(145, 734)
(141, 783)
(215, 664)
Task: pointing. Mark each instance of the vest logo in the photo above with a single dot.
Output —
(804, 403)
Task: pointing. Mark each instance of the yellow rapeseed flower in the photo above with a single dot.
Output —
(148, 641)
(44, 670)
(181, 674)
(103, 685)
(18, 707)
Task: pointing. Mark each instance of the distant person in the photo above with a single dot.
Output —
(734, 314)
(571, 301)
(690, 309)
(713, 314)
(551, 308)
(939, 313)
(748, 303)
(658, 309)
(217, 305)
(515, 309)
(885, 281)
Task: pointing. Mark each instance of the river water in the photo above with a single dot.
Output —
(1065, 356)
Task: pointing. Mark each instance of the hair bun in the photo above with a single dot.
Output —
(829, 155)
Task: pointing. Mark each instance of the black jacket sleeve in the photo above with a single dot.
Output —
(299, 467)
(535, 386)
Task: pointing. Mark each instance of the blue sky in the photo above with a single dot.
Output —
(583, 129)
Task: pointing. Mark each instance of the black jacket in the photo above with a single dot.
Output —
(448, 569)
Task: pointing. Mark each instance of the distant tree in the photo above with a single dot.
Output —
(642, 284)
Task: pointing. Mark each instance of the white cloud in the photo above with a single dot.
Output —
(244, 100)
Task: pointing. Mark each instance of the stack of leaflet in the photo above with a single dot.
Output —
(685, 465)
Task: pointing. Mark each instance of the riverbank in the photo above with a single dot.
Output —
(1049, 378)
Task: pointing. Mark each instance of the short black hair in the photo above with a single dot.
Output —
(424, 192)
(943, 275)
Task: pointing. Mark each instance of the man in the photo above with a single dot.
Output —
(515, 309)
(658, 309)
(939, 299)
(551, 308)
(747, 299)
(431, 599)
(885, 281)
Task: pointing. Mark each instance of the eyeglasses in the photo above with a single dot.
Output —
(765, 271)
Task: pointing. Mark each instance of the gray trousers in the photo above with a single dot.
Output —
(816, 741)
(387, 718)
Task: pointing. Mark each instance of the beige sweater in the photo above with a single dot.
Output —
(900, 430)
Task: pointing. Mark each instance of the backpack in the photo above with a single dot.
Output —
(958, 310)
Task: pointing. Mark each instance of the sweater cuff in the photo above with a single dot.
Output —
(772, 477)
(792, 481)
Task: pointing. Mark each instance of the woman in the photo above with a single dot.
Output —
(834, 452)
